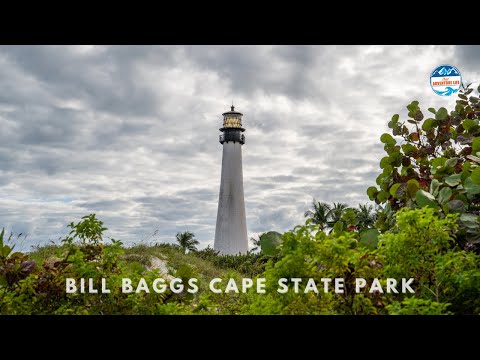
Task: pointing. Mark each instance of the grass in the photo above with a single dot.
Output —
(175, 258)
(171, 254)
(40, 253)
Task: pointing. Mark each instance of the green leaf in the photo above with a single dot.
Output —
(468, 123)
(476, 176)
(379, 179)
(453, 180)
(397, 129)
(444, 195)
(269, 242)
(456, 206)
(5, 251)
(473, 99)
(372, 192)
(408, 149)
(434, 185)
(412, 187)
(338, 227)
(383, 196)
(432, 110)
(350, 216)
(425, 199)
(390, 148)
(393, 190)
(470, 187)
(469, 220)
(395, 158)
(441, 114)
(412, 108)
(476, 145)
(384, 162)
(387, 139)
(429, 124)
(454, 133)
(466, 170)
(387, 169)
(394, 121)
(439, 162)
(451, 162)
(369, 238)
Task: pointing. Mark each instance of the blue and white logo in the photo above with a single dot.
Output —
(445, 80)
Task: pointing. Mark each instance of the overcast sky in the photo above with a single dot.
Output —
(131, 132)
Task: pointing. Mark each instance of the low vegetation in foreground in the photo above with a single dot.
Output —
(446, 277)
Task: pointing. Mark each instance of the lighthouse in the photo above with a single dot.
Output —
(231, 230)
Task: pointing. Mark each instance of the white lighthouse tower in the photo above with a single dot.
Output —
(231, 231)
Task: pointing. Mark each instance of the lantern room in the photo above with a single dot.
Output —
(232, 127)
(233, 119)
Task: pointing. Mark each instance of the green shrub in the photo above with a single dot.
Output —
(436, 164)
(308, 253)
(422, 246)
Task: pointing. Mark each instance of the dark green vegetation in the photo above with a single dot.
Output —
(435, 165)
(425, 226)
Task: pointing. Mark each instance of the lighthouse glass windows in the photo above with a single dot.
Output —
(232, 121)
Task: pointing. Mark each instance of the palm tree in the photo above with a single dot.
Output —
(336, 213)
(320, 214)
(187, 241)
(366, 216)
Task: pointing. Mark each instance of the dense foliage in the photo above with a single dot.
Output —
(435, 164)
(446, 277)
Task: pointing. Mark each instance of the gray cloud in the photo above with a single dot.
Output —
(468, 57)
(131, 132)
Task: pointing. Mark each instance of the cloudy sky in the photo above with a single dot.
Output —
(131, 132)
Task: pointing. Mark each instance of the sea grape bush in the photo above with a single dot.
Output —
(434, 161)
